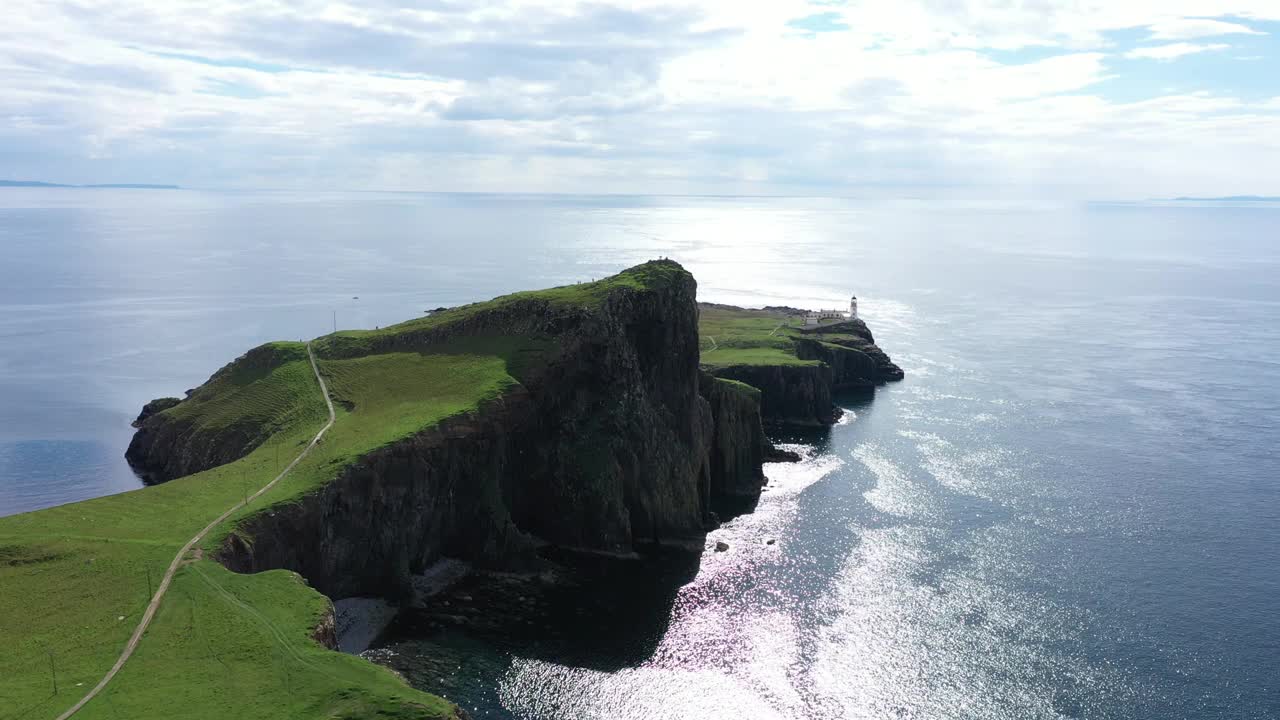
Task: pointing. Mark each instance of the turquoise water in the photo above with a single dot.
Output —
(1068, 509)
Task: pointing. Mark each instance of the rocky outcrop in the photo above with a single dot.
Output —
(789, 394)
(158, 405)
(165, 448)
(840, 356)
(177, 438)
(606, 447)
(850, 368)
(325, 633)
(826, 343)
(738, 444)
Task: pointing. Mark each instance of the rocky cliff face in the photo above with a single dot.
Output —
(738, 444)
(844, 357)
(163, 448)
(177, 437)
(606, 446)
(864, 364)
(790, 394)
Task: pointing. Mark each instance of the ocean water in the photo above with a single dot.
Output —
(1069, 509)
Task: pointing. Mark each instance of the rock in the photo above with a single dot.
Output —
(855, 336)
(777, 454)
(721, 546)
(789, 394)
(770, 541)
(738, 443)
(155, 406)
(802, 394)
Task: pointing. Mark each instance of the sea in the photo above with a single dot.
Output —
(1070, 508)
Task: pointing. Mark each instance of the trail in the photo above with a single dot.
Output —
(177, 559)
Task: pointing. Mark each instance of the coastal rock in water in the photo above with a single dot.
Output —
(777, 454)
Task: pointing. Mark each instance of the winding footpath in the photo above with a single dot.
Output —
(182, 554)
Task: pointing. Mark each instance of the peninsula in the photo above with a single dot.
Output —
(603, 419)
(117, 186)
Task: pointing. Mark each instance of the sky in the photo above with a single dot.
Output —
(1099, 99)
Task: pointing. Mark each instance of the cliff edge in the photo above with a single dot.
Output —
(797, 368)
(598, 434)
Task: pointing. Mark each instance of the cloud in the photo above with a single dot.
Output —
(1173, 51)
(630, 95)
(1192, 28)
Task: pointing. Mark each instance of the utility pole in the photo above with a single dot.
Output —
(149, 593)
(335, 321)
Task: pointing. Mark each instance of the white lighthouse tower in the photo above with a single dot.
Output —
(853, 307)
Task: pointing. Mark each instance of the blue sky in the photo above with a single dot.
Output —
(1072, 98)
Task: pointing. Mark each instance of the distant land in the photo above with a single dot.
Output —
(126, 186)
(1231, 198)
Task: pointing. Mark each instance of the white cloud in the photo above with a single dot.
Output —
(1173, 51)
(628, 96)
(1192, 28)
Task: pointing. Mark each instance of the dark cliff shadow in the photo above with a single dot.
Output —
(728, 508)
(855, 399)
(602, 614)
(819, 438)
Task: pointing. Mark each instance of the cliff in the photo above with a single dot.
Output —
(796, 368)
(851, 350)
(738, 444)
(241, 406)
(789, 394)
(602, 439)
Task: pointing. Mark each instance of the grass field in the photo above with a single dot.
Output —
(746, 337)
(222, 645)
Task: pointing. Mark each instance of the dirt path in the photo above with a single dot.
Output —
(177, 559)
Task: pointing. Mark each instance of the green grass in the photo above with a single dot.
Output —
(205, 656)
(268, 390)
(740, 387)
(97, 557)
(380, 399)
(641, 278)
(238, 646)
(732, 337)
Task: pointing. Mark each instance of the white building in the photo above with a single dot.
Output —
(827, 316)
(823, 316)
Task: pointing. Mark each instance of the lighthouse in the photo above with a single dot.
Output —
(853, 307)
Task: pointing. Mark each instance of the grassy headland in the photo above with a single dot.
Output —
(76, 578)
(737, 336)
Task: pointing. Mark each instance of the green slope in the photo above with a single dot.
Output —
(75, 579)
(735, 336)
